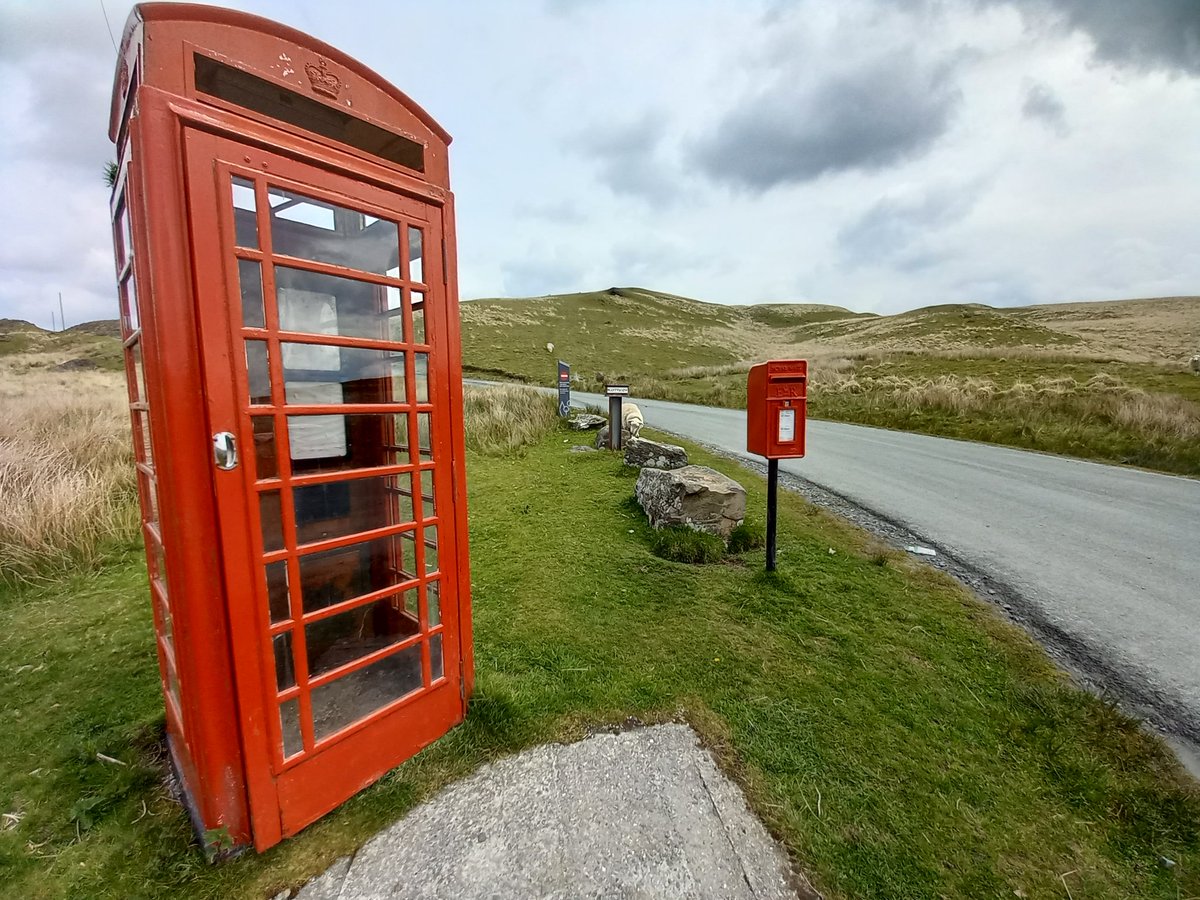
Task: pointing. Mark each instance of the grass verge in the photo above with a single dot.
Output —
(899, 737)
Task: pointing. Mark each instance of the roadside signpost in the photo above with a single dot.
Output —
(564, 389)
(776, 413)
(614, 393)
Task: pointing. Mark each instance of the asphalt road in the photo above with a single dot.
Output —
(1104, 561)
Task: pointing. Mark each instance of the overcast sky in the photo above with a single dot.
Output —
(876, 154)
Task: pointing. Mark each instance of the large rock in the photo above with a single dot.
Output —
(652, 455)
(586, 421)
(695, 496)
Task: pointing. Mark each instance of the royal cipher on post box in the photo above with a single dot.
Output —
(284, 235)
(776, 408)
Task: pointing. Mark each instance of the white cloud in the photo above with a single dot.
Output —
(867, 153)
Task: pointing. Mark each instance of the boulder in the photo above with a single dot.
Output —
(586, 421)
(652, 455)
(602, 437)
(696, 496)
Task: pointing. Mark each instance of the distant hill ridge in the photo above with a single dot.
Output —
(624, 330)
(99, 327)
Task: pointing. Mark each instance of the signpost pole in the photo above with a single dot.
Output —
(615, 392)
(772, 482)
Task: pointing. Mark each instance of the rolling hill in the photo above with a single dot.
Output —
(628, 331)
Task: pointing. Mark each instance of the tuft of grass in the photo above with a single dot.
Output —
(747, 536)
(506, 419)
(679, 543)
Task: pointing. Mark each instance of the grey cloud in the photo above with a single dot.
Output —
(534, 277)
(886, 111)
(1147, 34)
(630, 159)
(561, 212)
(897, 231)
(1042, 104)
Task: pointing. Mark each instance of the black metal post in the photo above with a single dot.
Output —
(614, 423)
(772, 480)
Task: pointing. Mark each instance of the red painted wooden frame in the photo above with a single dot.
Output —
(172, 237)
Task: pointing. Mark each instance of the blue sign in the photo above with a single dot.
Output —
(564, 389)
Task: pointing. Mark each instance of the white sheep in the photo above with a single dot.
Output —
(1196, 364)
(631, 419)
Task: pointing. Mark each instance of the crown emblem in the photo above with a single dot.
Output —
(323, 81)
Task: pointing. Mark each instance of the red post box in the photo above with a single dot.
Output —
(284, 235)
(776, 408)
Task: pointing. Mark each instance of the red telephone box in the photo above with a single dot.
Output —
(284, 236)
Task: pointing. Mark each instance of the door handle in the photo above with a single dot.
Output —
(225, 450)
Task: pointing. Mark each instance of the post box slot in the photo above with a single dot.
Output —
(266, 98)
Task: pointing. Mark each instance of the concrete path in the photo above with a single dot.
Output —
(644, 813)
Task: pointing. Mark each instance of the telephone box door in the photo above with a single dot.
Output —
(322, 308)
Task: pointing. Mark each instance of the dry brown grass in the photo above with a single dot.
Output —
(501, 420)
(1102, 397)
(67, 484)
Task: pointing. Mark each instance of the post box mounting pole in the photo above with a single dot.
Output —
(772, 488)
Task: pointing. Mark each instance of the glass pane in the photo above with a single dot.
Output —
(264, 447)
(396, 327)
(139, 374)
(124, 239)
(393, 295)
(141, 437)
(434, 601)
(348, 636)
(316, 303)
(416, 269)
(160, 564)
(427, 493)
(289, 721)
(336, 443)
(245, 221)
(173, 686)
(351, 697)
(258, 372)
(277, 591)
(341, 508)
(437, 667)
(418, 317)
(309, 228)
(333, 576)
(272, 520)
(318, 374)
(421, 364)
(431, 551)
(285, 669)
(425, 435)
(132, 318)
(164, 612)
(150, 493)
(250, 280)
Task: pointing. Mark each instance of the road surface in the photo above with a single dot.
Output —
(1104, 561)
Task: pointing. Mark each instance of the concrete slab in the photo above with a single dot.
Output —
(644, 813)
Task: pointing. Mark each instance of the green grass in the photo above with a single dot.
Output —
(897, 736)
